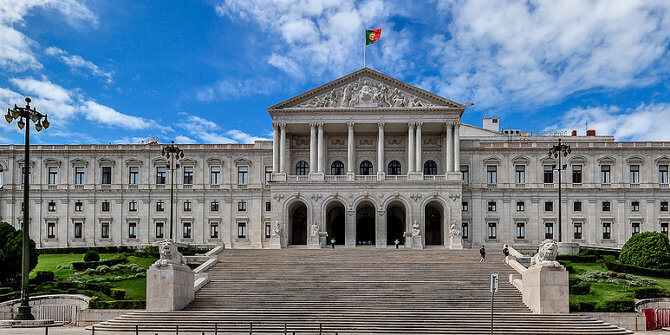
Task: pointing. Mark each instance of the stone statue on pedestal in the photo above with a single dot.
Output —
(169, 254)
(276, 230)
(416, 230)
(455, 236)
(546, 255)
(315, 230)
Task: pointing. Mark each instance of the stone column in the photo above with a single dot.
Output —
(450, 149)
(282, 149)
(350, 149)
(410, 148)
(457, 148)
(380, 149)
(321, 147)
(312, 147)
(417, 162)
(275, 147)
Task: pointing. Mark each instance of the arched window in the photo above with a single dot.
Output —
(366, 168)
(301, 168)
(430, 168)
(337, 168)
(2, 175)
(394, 168)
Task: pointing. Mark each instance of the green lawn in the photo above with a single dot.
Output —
(50, 263)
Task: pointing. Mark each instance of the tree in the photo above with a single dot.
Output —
(648, 250)
(11, 246)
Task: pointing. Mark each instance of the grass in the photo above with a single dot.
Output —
(50, 262)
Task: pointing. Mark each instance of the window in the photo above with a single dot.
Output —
(104, 230)
(78, 228)
(394, 168)
(51, 230)
(214, 206)
(577, 206)
(606, 206)
(605, 174)
(132, 229)
(268, 230)
(79, 173)
(520, 174)
(337, 168)
(214, 230)
(492, 206)
(663, 174)
(53, 175)
(78, 206)
(576, 174)
(664, 228)
(107, 175)
(160, 206)
(268, 206)
(635, 206)
(548, 230)
(51, 206)
(187, 206)
(301, 168)
(491, 174)
(492, 230)
(548, 206)
(548, 174)
(187, 230)
(464, 206)
(160, 175)
(242, 206)
(159, 229)
(465, 173)
(366, 168)
(188, 175)
(241, 229)
(664, 206)
(520, 230)
(105, 206)
(268, 174)
(132, 206)
(635, 228)
(30, 175)
(520, 206)
(215, 175)
(464, 230)
(2, 175)
(577, 230)
(430, 168)
(242, 175)
(607, 230)
(634, 174)
(133, 175)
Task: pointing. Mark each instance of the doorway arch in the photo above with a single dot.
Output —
(365, 224)
(395, 223)
(298, 224)
(434, 226)
(335, 222)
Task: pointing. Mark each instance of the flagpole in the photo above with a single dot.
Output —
(364, 45)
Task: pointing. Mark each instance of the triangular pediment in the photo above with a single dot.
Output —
(366, 89)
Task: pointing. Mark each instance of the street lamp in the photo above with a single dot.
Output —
(171, 152)
(556, 152)
(25, 115)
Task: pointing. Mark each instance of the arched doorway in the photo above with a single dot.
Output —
(434, 224)
(335, 222)
(365, 224)
(298, 227)
(395, 223)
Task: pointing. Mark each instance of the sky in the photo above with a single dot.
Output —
(205, 71)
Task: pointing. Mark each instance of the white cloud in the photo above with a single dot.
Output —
(285, 64)
(243, 137)
(231, 89)
(129, 140)
(96, 112)
(209, 132)
(77, 62)
(184, 139)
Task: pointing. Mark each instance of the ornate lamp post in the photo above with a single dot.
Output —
(557, 151)
(24, 115)
(171, 152)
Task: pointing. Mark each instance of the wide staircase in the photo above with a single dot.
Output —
(357, 291)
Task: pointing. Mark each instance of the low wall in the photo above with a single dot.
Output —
(652, 303)
(88, 317)
(9, 308)
(629, 320)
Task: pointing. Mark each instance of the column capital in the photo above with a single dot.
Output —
(282, 124)
(312, 124)
(419, 124)
(275, 125)
(411, 124)
(351, 124)
(380, 125)
(319, 124)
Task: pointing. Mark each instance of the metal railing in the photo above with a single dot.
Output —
(234, 327)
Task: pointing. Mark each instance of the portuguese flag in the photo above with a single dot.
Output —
(372, 35)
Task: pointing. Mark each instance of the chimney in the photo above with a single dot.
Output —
(591, 132)
(574, 133)
(491, 123)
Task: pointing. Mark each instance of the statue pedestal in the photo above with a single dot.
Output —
(408, 242)
(275, 242)
(546, 290)
(313, 242)
(455, 243)
(169, 287)
(323, 243)
(416, 242)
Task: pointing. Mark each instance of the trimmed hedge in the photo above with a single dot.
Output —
(578, 258)
(607, 306)
(580, 306)
(43, 277)
(78, 266)
(82, 250)
(651, 292)
(636, 270)
(574, 281)
(648, 250)
(599, 253)
(91, 256)
(581, 288)
(118, 294)
(96, 303)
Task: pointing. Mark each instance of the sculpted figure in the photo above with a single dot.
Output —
(276, 230)
(346, 96)
(168, 254)
(315, 230)
(416, 231)
(454, 231)
(546, 255)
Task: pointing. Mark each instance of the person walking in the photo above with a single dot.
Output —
(332, 242)
(505, 252)
(396, 242)
(482, 252)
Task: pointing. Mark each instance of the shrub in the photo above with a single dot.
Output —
(599, 253)
(118, 294)
(44, 276)
(97, 303)
(79, 266)
(581, 288)
(618, 267)
(648, 250)
(578, 258)
(615, 278)
(618, 306)
(91, 256)
(11, 246)
(574, 281)
(585, 306)
(651, 292)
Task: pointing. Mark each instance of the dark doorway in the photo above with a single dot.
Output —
(298, 219)
(335, 223)
(433, 224)
(395, 223)
(365, 224)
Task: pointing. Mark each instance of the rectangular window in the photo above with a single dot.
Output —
(548, 230)
(187, 206)
(492, 230)
(23, 175)
(51, 230)
(52, 206)
(214, 206)
(215, 175)
(78, 229)
(268, 174)
(548, 174)
(465, 206)
(607, 230)
(520, 206)
(53, 175)
(268, 230)
(605, 174)
(78, 206)
(577, 230)
(132, 229)
(548, 206)
(241, 229)
(104, 230)
(242, 206)
(105, 206)
(188, 175)
(160, 206)
(520, 174)
(577, 206)
(635, 206)
(664, 206)
(133, 175)
(576, 174)
(159, 229)
(465, 173)
(242, 174)
(491, 174)
(160, 175)
(107, 175)
(187, 230)
(214, 230)
(664, 228)
(663, 174)
(520, 230)
(79, 173)
(634, 174)
(635, 228)
(132, 206)
(268, 206)
(492, 206)
(606, 206)
(464, 230)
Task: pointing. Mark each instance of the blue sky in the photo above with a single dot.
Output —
(205, 71)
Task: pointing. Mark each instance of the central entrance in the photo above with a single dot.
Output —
(434, 224)
(395, 223)
(298, 229)
(365, 224)
(335, 222)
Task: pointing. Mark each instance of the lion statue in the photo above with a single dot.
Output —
(168, 254)
(546, 255)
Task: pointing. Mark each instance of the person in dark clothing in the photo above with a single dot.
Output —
(332, 242)
(482, 252)
(505, 252)
(396, 242)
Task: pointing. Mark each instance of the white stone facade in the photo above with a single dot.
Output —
(408, 151)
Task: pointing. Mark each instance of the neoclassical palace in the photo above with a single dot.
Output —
(364, 158)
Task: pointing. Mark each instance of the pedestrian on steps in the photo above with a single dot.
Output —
(482, 252)
(505, 252)
(332, 242)
(396, 242)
